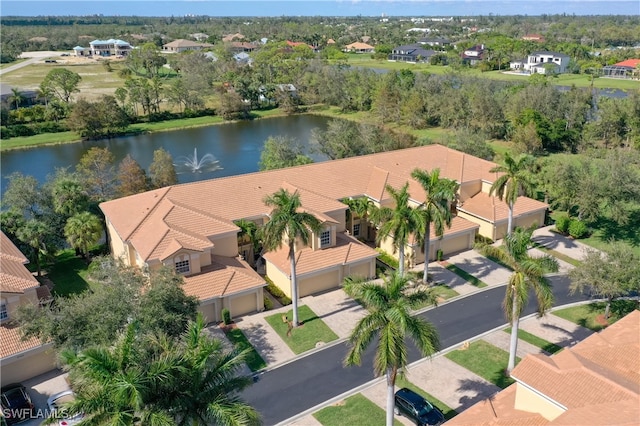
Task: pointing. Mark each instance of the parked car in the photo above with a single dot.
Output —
(416, 408)
(56, 405)
(16, 403)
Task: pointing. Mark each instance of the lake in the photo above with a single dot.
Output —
(236, 147)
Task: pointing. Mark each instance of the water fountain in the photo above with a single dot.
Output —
(193, 164)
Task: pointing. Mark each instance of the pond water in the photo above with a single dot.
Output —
(223, 150)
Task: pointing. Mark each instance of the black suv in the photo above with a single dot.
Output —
(16, 403)
(415, 407)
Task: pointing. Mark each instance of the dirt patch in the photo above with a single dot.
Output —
(601, 320)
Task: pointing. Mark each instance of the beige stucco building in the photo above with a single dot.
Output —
(191, 228)
(19, 359)
(596, 382)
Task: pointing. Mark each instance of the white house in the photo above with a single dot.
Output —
(111, 47)
(540, 62)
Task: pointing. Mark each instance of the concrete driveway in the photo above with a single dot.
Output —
(482, 268)
(40, 388)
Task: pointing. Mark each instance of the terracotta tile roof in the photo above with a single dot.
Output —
(186, 43)
(597, 381)
(631, 63)
(458, 225)
(347, 250)
(14, 276)
(225, 276)
(12, 342)
(192, 212)
(492, 209)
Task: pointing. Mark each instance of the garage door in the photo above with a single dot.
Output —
(208, 312)
(28, 367)
(319, 283)
(244, 304)
(455, 244)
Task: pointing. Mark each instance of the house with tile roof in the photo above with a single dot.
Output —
(626, 69)
(596, 382)
(19, 359)
(182, 45)
(191, 227)
(359, 47)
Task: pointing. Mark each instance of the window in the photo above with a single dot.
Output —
(3, 312)
(325, 238)
(356, 230)
(182, 266)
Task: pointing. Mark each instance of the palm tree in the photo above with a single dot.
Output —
(249, 232)
(289, 223)
(528, 273)
(440, 193)
(515, 180)
(389, 319)
(157, 380)
(35, 233)
(358, 207)
(16, 97)
(399, 222)
(82, 231)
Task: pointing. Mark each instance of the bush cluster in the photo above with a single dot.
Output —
(571, 226)
(277, 293)
(268, 304)
(16, 130)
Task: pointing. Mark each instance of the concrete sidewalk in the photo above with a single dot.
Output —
(481, 267)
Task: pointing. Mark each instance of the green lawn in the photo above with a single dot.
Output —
(539, 342)
(467, 276)
(557, 254)
(443, 291)
(606, 230)
(355, 410)
(253, 360)
(449, 413)
(69, 274)
(305, 337)
(586, 315)
(485, 360)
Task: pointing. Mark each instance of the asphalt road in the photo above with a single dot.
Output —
(286, 391)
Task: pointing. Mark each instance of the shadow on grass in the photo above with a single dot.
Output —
(308, 320)
(67, 274)
(611, 230)
(500, 379)
(253, 358)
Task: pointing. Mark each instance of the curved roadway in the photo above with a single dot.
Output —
(290, 389)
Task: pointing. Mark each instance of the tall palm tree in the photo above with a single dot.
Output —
(35, 233)
(528, 273)
(398, 222)
(288, 222)
(515, 180)
(389, 319)
(440, 194)
(16, 97)
(249, 232)
(157, 380)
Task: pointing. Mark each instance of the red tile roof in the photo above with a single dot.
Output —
(225, 276)
(14, 276)
(12, 342)
(347, 250)
(633, 63)
(491, 208)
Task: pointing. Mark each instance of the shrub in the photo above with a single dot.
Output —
(226, 316)
(387, 259)
(268, 304)
(578, 229)
(439, 255)
(277, 293)
(481, 239)
(562, 223)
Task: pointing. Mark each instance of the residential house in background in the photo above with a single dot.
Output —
(595, 382)
(533, 37)
(435, 41)
(174, 226)
(359, 47)
(413, 53)
(19, 359)
(629, 68)
(241, 46)
(541, 62)
(111, 47)
(232, 37)
(199, 36)
(182, 45)
(81, 51)
(473, 55)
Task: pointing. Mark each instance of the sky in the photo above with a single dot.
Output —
(317, 8)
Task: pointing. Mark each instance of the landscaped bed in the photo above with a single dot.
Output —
(591, 316)
(485, 360)
(550, 348)
(311, 333)
(355, 410)
(254, 360)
